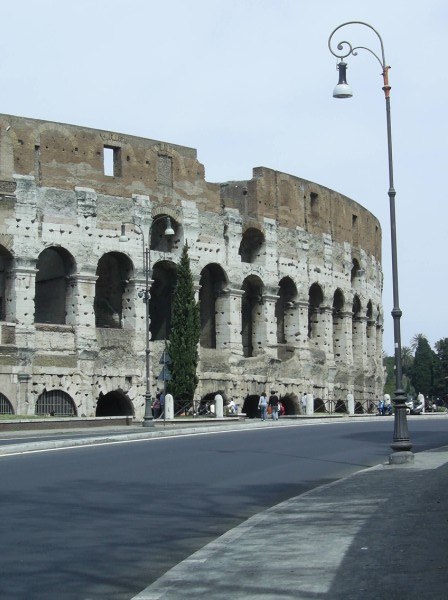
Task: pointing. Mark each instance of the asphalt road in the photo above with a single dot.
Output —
(103, 522)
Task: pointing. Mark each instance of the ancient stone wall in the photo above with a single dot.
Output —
(288, 274)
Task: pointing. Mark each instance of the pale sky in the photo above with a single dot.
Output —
(249, 83)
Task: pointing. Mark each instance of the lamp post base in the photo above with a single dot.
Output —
(148, 419)
(404, 457)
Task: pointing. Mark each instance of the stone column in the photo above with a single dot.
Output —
(350, 404)
(265, 330)
(25, 404)
(169, 407)
(219, 406)
(309, 404)
(83, 312)
(228, 321)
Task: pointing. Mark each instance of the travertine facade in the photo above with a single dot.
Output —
(288, 275)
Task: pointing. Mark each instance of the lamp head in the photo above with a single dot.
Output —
(342, 90)
(123, 237)
(169, 231)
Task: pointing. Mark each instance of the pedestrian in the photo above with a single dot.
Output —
(162, 404)
(387, 405)
(263, 405)
(273, 403)
(156, 406)
(303, 400)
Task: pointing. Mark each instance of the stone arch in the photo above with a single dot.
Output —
(285, 311)
(250, 406)
(159, 242)
(164, 278)
(251, 244)
(355, 270)
(56, 403)
(319, 406)
(55, 265)
(6, 283)
(6, 407)
(113, 272)
(114, 404)
(250, 314)
(212, 283)
(290, 403)
(315, 299)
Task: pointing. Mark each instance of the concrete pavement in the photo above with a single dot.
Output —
(381, 533)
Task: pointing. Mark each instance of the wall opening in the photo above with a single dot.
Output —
(54, 268)
(114, 404)
(55, 403)
(113, 271)
(112, 161)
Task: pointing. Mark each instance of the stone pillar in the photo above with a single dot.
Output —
(265, 330)
(327, 332)
(346, 343)
(219, 406)
(309, 404)
(350, 404)
(24, 284)
(169, 407)
(359, 342)
(25, 404)
(83, 312)
(302, 324)
(228, 321)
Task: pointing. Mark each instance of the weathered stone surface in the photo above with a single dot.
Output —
(288, 273)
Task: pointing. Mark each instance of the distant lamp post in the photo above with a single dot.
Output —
(148, 419)
(401, 444)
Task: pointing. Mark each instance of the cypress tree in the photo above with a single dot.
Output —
(185, 333)
(422, 373)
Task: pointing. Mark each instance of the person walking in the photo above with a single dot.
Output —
(303, 403)
(273, 403)
(263, 405)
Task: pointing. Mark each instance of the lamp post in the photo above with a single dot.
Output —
(148, 420)
(401, 444)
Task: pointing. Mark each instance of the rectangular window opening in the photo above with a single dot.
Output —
(112, 161)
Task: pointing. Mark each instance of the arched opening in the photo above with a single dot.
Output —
(319, 406)
(250, 313)
(284, 310)
(315, 299)
(359, 409)
(114, 404)
(340, 407)
(161, 299)
(290, 403)
(206, 405)
(5, 283)
(251, 244)
(5, 406)
(356, 271)
(212, 284)
(338, 326)
(250, 406)
(113, 272)
(160, 242)
(54, 268)
(55, 403)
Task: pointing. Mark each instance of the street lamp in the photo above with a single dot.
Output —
(401, 444)
(148, 420)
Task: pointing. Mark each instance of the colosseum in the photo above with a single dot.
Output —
(287, 274)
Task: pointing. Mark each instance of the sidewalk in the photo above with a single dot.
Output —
(379, 534)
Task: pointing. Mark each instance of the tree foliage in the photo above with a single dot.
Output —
(441, 368)
(185, 332)
(422, 373)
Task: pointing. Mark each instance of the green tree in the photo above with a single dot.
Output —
(184, 336)
(422, 373)
(441, 370)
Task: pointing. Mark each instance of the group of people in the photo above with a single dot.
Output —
(271, 405)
